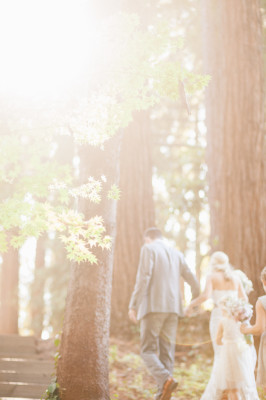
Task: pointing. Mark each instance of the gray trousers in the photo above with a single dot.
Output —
(158, 336)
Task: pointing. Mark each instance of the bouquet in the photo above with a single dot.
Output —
(240, 310)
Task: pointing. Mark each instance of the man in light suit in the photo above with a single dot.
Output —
(156, 302)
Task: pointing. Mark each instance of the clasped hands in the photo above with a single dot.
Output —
(244, 329)
(132, 315)
(190, 310)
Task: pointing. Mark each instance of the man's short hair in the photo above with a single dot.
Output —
(153, 233)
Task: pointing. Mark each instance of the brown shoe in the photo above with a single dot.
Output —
(169, 386)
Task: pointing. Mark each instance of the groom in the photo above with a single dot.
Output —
(156, 302)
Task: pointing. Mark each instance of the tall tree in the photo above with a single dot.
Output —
(235, 114)
(37, 288)
(136, 207)
(85, 338)
(9, 292)
(139, 156)
(135, 213)
(9, 305)
(58, 277)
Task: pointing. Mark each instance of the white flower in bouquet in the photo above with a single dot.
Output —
(242, 312)
(236, 308)
(239, 310)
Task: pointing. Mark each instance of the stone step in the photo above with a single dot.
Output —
(26, 377)
(27, 366)
(29, 391)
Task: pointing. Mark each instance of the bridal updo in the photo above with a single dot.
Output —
(219, 261)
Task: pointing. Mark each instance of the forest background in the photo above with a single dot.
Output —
(162, 125)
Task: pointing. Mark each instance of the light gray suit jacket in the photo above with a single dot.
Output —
(157, 287)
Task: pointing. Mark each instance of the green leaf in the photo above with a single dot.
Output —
(114, 193)
(52, 387)
(57, 340)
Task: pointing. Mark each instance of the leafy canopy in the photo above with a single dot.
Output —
(132, 69)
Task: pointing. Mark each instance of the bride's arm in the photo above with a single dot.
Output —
(202, 297)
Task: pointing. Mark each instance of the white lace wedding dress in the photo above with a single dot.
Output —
(227, 359)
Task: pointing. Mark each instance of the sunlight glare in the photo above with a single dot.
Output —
(45, 45)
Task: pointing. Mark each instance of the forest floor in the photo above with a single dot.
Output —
(130, 380)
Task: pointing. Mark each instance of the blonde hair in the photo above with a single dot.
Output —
(219, 261)
(263, 274)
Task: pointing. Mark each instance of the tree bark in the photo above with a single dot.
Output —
(85, 338)
(135, 214)
(58, 275)
(235, 106)
(37, 288)
(9, 292)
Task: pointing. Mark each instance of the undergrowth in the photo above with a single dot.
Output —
(130, 380)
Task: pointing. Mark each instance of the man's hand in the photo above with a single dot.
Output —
(187, 311)
(132, 315)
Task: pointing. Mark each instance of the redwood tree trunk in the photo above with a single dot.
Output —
(83, 366)
(135, 214)
(58, 276)
(37, 288)
(9, 292)
(233, 55)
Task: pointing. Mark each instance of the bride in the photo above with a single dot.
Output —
(220, 282)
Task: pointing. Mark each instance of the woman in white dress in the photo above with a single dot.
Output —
(220, 282)
(235, 364)
(259, 328)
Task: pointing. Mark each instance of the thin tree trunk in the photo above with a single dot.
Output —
(9, 292)
(37, 288)
(85, 339)
(233, 55)
(135, 214)
(59, 272)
